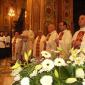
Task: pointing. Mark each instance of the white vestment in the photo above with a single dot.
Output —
(16, 48)
(50, 43)
(83, 40)
(42, 42)
(65, 42)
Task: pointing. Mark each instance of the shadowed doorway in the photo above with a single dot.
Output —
(79, 8)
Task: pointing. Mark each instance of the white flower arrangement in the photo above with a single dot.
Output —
(52, 72)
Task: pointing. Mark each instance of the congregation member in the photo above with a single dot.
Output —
(39, 45)
(7, 44)
(2, 45)
(51, 37)
(64, 39)
(2, 42)
(16, 46)
(7, 40)
(27, 41)
(30, 34)
(78, 40)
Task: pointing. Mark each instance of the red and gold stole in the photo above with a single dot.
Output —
(79, 38)
(48, 37)
(60, 37)
(38, 47)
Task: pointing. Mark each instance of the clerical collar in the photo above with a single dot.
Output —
(82, 29)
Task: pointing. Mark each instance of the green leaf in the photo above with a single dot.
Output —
(27, 70)
(71, 80)
(56, 73)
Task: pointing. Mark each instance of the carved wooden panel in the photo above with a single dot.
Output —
(68, 12)
(65, 12)
(50, 16)
(36, 15)
(50, 11)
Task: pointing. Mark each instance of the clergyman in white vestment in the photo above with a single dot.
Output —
(30, 35)
(51, 37)
(64, 39)
(16, 46)
(39, 45)
(78, 40)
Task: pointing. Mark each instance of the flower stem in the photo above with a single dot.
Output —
(59, 83)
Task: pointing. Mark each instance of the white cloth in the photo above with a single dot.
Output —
(42, 42)
(51, 44)
(83, 40)
(2, 42)
(16, 51)
(65, 42)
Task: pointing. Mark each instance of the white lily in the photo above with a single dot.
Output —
(80, 73)
(46, 80)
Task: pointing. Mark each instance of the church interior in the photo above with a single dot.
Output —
(35, 15)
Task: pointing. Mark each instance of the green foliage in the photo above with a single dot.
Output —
(27, 70)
